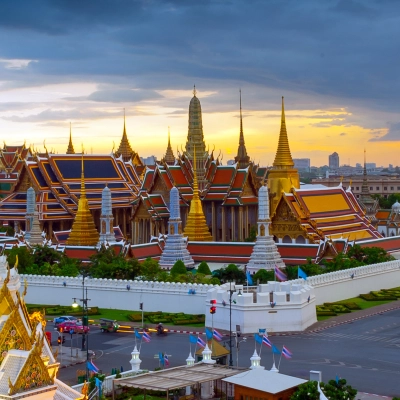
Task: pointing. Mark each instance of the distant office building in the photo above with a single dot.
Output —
(334, 161)
(370, 165)
(302, 164)
(151, 160)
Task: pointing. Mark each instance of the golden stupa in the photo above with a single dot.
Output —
(196, 228)
(282, 176)
(83, 232)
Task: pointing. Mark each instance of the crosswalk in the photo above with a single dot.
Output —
(342, 336)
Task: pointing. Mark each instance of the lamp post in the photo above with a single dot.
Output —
(231, 291)
(85, 321)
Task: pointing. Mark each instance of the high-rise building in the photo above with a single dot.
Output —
(334, 161)
(302, 164)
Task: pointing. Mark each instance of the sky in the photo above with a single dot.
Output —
(336, 62)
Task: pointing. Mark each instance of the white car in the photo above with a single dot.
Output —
(63, 318)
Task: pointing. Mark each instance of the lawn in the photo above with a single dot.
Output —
(364, 304)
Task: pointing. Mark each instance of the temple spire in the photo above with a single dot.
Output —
(169, 157)
(283, 158)
(242, 158)
(196, 228)
(83, 231)
(70, 149)
(125, 148)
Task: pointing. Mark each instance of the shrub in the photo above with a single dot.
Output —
(368, 297)
(326, 314)
(203, 268)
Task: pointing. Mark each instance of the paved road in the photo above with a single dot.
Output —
(365, 352)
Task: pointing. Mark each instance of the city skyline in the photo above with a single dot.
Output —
(335, 63)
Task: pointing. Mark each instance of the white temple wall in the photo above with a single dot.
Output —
(109, 293)
(339, 285)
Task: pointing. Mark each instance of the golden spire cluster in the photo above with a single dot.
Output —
(83, 232)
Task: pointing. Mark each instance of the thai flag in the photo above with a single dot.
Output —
(166, 360)
(266, 341)
(91, 367)
(280, 275)
(201, 342)
(217, 335)
(146, 337)
(286, 352)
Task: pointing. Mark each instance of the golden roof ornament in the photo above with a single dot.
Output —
(283, 157)
(83, 232)
(196, 228)
(70, 149)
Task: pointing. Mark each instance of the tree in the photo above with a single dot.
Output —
(150, 269)
(203, 268)
(178, 268)
(306, 391)
(291, 272)
(230, 273)
(45, 254)
(263, 276)
(252, 235)
(25, 259)
(333, 390)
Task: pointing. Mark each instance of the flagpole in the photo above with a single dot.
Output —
(280, 358)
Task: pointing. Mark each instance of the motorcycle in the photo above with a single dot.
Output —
(161, 331)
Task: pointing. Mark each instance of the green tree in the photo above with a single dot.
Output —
(369, 255)
(306, 391)
(150, 269)
(25, 259)
(338, 390)
(178, 268)
(291, 272)
(203, 268)
(69, 267)
(263, 276)
(252, 235)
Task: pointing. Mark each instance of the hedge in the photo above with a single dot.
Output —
(326, 313)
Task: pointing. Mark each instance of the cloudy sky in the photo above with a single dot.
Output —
(335, 61)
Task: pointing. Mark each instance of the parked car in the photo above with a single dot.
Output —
(63, 318)
(69, 326)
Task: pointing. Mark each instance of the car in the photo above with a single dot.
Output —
(63, 318)
(68, 326)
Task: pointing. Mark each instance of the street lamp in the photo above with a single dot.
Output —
(85, 321)
(231, 291)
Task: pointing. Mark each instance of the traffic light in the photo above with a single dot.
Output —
(213, 307)
(61, 340)
(61, 329)
(85, 320)
(141, 306)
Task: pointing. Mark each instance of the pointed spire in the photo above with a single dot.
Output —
(196, 227)
(283, 158)
(169, 157)
(194, 90)
(83, 231)
(125, 148)
(70, 149)
(242, 158)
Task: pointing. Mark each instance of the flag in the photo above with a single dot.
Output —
(166, 360)
(146, 337)
(217, 335)
(99, 384)
(138, 335)
(262, 331)
(275, 350)
(266, 341)
(192, 339)
(301, 273)
(286, 352)
(257, 338)
(92, 367)
(201, 342)
(161, 358)
(280, 275)
(249, 278)
(209, 334)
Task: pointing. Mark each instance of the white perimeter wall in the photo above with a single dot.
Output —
(339, 285)
(109, 293)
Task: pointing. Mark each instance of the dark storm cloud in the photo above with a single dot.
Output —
(341, 49)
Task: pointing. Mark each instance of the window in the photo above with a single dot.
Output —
(391, 187)
(357, 188)
(398, 187)
(377, 188)
(352, 188)
(287, 296)
(371, 188)
(385, 188)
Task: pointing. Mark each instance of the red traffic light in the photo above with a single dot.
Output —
(213, 301)
(213, 309)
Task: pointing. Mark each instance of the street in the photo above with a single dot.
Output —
(365, 352)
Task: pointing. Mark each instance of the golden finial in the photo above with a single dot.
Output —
(44, 145)
(194, 90)
(341, 180)
(16, 263)
(113, 147)
(351, 181)
(25, 288)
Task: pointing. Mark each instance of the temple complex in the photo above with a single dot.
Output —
(83, 232)
(28, 366)
(265, 254)
(176, 243)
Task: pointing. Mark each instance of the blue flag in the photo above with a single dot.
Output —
(192, 339)
(258, 338)
(209, 334)
(301, 273)
(99, 384)
(275, 350)
(138, 335)
(161, 358)
(92, 367)
(249, 278)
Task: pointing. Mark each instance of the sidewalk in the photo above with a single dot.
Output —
(66, 359)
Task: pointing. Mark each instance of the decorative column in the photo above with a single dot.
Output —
(233, 224)
(189, 363)
(255, 360)
(223, 224)
(213, 222)
(135, 360)
(265, 253)
(33, 234)
(240, 236)
(207, 388)
(106, 218)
